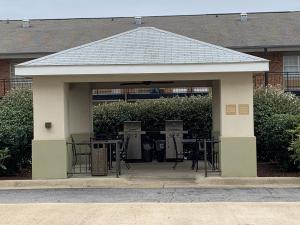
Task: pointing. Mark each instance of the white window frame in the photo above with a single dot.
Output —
(285, 62)
(116, 91)
(200, 89)
(180, 90)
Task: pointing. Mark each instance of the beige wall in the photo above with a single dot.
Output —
(238, 157)
(49, 147)
(237, 89)
(238, 145)
(80, 111)
(50, 105)
(49, 159)
(66, 106)
(112, 78)
(65, 101)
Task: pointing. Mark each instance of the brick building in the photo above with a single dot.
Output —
(274, 36)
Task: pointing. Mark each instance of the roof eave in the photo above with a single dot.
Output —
(30, 71)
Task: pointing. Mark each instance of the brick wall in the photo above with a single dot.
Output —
(4, 69)
(276, 65)
(4, 74)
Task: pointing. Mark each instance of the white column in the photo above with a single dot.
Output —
(237, 90)
(49, 147)
(50, 99)
(238, 144)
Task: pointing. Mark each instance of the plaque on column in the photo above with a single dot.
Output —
(244, 109)
(231, 109)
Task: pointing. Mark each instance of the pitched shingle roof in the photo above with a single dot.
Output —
(145, 45)
(48, 36)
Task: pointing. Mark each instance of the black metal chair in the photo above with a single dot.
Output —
(77, 153)
(196, 154)
(123, 153)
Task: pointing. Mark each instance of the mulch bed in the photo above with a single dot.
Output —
(269, 169)
(25, 174)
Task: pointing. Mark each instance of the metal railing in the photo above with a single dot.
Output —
(289, 81)
(206, 150)
(80, 157)
(7, 85)
(145, 93)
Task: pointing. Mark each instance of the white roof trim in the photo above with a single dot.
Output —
(141, 69)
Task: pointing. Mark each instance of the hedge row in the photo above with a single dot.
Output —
(194, 111)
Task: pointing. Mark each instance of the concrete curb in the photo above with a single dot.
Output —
(249, 181)
(123, 182)
(63, 183)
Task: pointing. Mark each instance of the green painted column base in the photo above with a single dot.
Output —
(238, 157)
(49, 159)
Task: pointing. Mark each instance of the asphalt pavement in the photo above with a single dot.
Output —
(164, 195)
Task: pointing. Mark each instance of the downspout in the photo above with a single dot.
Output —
(266, 73)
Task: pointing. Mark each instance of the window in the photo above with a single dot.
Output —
(200, 90)
(291, 69)
(291, 64)
(116, 91)
(106, 91)
(180, 90)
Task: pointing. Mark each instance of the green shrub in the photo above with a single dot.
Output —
(16, 127)
(275, 139)
(294, 148)
(4, 155)
(194, 111)
(270, 130)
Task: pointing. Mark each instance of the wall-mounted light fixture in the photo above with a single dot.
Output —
(48, 125)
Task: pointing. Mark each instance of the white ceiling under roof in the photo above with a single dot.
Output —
(144, 46)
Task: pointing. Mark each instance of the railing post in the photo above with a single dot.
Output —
(212, 153)
(205, 158)
(118, 160)
(266, 73)
(266, 79)
(4, 87)
(287, 81)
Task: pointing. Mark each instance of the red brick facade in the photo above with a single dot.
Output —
(4, 69)
(276, 68)
(4, 75)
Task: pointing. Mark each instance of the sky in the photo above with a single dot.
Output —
(43, 9)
